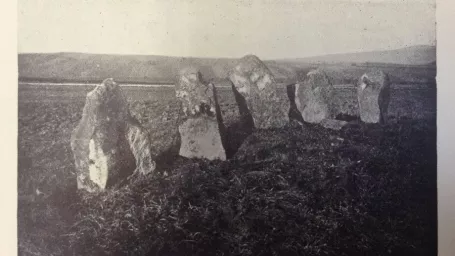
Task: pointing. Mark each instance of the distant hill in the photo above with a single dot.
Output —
(413, 55)
(82, 67)
(132, 68)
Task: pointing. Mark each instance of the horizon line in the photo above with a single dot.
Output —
(222, 57)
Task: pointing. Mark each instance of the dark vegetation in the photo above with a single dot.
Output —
(364, 190)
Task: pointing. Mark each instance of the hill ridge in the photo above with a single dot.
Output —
(89, 67)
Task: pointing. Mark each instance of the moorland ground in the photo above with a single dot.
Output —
(299, 190)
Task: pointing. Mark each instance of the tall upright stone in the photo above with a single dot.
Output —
(257, 91)
(313, 96)
(108, 144)
(201, 129)
(373, 92)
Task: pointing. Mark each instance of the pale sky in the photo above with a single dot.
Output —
(220, 28)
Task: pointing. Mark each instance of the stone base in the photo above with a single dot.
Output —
(316, 112)
(201, 138)
(370, 112)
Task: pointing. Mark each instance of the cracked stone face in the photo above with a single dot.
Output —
(201, 129)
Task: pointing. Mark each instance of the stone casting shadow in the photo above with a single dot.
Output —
(125, 168)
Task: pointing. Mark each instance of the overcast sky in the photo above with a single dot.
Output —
(212, 28)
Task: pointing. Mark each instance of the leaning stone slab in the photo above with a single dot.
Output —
(108, 144)
(201, 130)
(257, 88)
(373, 92)
(313, 97)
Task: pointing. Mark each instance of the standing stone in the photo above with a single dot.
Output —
(202, 129)
(313, 97)
(256, 86)
(108, 144)
(373, 92)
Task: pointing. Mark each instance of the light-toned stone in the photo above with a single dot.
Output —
(254, 82)
(108, 144)
(333, 124)
(201, 139)
(140, 145)
(373, 92)
(313, 97)
(201, 129)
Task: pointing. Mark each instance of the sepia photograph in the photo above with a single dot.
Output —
(198, 127)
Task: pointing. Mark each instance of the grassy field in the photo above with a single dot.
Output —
(364, 190)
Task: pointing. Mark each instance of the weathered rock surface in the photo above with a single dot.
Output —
(257, 93)
(201, 129)
(139, 142)
(201, 139)
(333, 124)
(108, 144)
(313, 97)
(373, 92)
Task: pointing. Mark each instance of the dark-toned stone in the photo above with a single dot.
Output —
(257, 92)
(373, 92)
(108, 144)
(294, 112)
